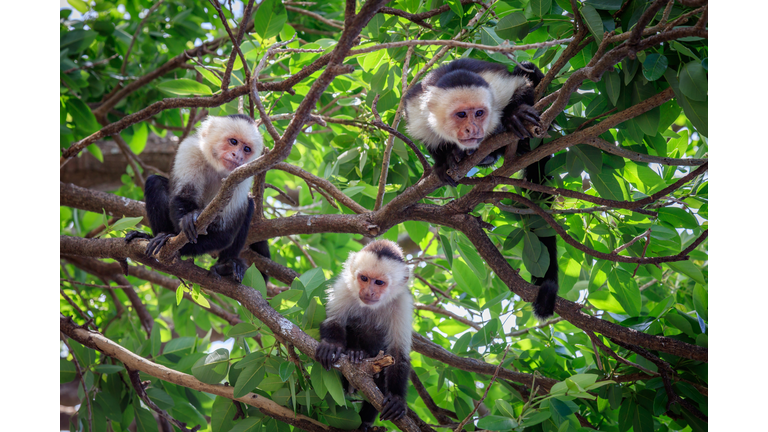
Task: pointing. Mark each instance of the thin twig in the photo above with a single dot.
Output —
(495, 374)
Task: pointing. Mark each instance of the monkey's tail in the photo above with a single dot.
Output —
(544, 305)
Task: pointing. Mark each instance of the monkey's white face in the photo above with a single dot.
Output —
(372, 286)
(461, 115)
(468, 123)
(228, 142)
(233, 151)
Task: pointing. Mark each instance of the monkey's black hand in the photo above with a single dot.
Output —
(356, 356)
(234, 267)
(393, 407)
(136, 234)
(523, 113)
(327, 353)
(187, 224)
(440, 171)
(157, 243)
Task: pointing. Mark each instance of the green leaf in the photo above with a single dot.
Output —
(108, 369)
(605, 4)
(250, 378)
(76, 41)
(466, 279)
(607, 185)
(700, 301)
(343, 418)
(626, 291)
(514, 238)
(654, 66)
(533, 417)
(243, 329)
(505, 408)
(180, 346)
(416, 230)
(535, 262)
(212, 368)
(255, 280)
(333, 384)
(446, 244)
(693, 81)
(82, 117)
(642, 420)
(473, 259)
(184, 87)
(139, 140)
(612, 85)
(593, 21)
(512, 27)
(678, 217)
(251, 424)
(67, 371)
(689, 269)
(590, 156)
(209, 75)
(270, 18)
(179, 294)
(540, 7)
(312, 279)
(696, 111)
(494, 422)
(79, 5)
(455, 6)
(286, 370)
(126, 223)
(145, 421)
(604, 300)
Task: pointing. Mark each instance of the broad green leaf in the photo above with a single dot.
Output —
(533, 417)
(456, 7)
(466, 279)
(416, 230)
(109, 405)
(512, 27)
(612, 85)
(642, 420)
(540, 7)
(255, 280)
(209, 75)
(250, 378)
(333, 385)
(161, 398)
(626, 291)
(108, 368)
(689, 269)
(139, 139)
(446, 244)
(67, 371)
(269, 19)
(212, 368)
(250, 359)
(343, 418)
(82, 117)
(497, 423)
(180, 346)
(76, 41)
(505, 408)
(605, 4)
(536, 264)
(654, 66)
(607, 185)
(145, 421)
(514, 238)
(312, 280)
(593, 21)
(79, 5)
(286, 370)
(696, 111)
(179, 294)
(678, 217)
(243, 329)
(184, 87)
(126, 223)
(700, 301)
(604, 300)
(693, 81)
(591, 157)
(251, 424)
(473, 259)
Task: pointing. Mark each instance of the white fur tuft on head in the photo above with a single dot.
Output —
(215, 130)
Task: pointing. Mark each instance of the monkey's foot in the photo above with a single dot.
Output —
(234, 267)
(440, 171)
(136, 234)
(327, 353)
(393, 407)
(523, 113)
(187, 224)
(157, 243)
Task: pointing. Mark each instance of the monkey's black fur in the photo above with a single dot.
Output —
(359, 340)
(467, 73)
(168, 216)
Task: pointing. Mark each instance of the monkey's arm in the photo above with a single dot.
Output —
(396, 382)
(443, 155)
(156, 197)
(333, 337)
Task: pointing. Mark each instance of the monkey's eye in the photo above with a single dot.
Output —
(379, 282)
(364, 278)
(461, 114)
(479, 113)
(247, 149)
(233, 141)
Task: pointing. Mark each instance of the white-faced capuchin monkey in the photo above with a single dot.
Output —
(463, 102)
(202, 161)
(370, 309)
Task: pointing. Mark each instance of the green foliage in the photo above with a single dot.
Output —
(665, 300)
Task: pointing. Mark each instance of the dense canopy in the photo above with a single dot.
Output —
(158, 343)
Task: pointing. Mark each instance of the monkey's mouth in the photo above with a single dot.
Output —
(369, 301)
(470, 142)
(230, 164)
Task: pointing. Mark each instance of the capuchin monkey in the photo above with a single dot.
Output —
(463, 102)
(202, 162)
(370, 309)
